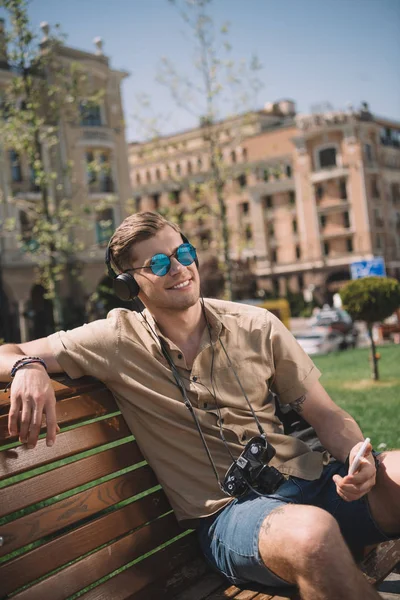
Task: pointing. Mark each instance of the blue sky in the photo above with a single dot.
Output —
(313, 51)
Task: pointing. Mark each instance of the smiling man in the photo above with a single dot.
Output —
(293, 516)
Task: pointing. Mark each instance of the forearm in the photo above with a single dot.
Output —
(9, 354)
(339, 434)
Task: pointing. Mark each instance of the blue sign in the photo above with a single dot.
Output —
(368, 268)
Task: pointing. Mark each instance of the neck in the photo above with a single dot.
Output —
(183, 326)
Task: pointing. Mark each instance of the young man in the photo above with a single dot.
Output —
(223, 359)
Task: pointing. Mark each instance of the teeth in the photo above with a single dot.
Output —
(181, 285)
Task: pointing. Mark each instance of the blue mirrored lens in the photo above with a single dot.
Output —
(160, 264)
(186, 254)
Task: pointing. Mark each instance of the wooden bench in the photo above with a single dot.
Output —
(90, 507)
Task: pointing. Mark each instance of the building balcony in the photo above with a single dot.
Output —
(333, 206)
(337, 232)
(329, 173)
(97, 136)
(25, 189)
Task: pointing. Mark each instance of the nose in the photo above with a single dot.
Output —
(176, 266)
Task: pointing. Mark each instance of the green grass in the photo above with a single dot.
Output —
(374, 404)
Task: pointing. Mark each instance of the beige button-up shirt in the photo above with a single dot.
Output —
(123, 352)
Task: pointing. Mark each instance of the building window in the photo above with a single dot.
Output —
(292, 198)
(274, 256)
(327, 158)
(178, 169)
(343, 189)
(298, 252)
(233, 157)
(158, 175)
(294, 226)
(199, 164)
(148, 176)
(319, 192)
(248, 233)
(29, 244)
(242, 180)
(138, 179)
(326, 248)
(346, 219)
(266, 174)
(16, 172)
(271, 230)
(288, 170)
(244, 154)
(90, 114)
(379, 242)
(189, 167)
(275, 285)
(374, 187)
(368, 153)
(156, 201)
(300, 280)
(98, 171)
(138, 201)
(267, 202)
(105, 179)
(245, 208)
(205, 240)
(175, 196)
(349, 245)
(322, 220)
(104, 226)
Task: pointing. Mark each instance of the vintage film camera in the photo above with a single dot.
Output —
(252, 472)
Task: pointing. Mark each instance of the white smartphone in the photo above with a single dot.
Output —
(356, 462)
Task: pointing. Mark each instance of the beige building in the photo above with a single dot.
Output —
(97, 137)
(307, 195)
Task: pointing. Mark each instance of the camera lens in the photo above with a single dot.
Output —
(255, 449)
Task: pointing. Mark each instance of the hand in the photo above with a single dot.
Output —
(32, 395)
(353, 487)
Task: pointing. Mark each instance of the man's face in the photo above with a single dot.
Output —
(179, 289)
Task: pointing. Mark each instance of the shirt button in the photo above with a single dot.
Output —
(194, 378)
(180, 356)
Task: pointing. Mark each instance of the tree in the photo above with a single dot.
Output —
(215, 75)
(371, 299)
(44, 93)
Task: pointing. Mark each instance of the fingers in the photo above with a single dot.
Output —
(25, 420)
(52, 427)
(353, 487)
(13, 416)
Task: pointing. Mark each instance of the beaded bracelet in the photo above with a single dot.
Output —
(22, 362)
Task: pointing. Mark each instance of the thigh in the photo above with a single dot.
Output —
(230, 542)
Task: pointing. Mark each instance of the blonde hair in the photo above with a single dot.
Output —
(135, 228)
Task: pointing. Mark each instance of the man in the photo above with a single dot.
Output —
(222, 360)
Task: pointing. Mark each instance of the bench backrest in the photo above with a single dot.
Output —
(89, 506)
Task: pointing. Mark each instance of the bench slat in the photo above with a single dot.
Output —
(381, 561)
(134, 583)
(51, 519)
(20, 459)
(71, 410)
(62, 385)
(75, 543)
(64, 478)
(88, 570)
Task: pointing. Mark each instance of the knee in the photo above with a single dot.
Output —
(304, 534)
(314, 538)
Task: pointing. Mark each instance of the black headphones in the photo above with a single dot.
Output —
(124, 284)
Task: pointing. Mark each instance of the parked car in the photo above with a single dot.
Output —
(338, 320)
(320, 340)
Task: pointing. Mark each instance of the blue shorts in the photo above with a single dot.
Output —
(229, 539)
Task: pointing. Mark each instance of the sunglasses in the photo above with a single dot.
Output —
(160, 264)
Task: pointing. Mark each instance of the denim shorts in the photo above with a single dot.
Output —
(229, 539)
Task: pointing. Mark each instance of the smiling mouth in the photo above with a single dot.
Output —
(180, 286)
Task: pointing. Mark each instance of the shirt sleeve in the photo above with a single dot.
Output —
(88, 350)
(294, 373)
